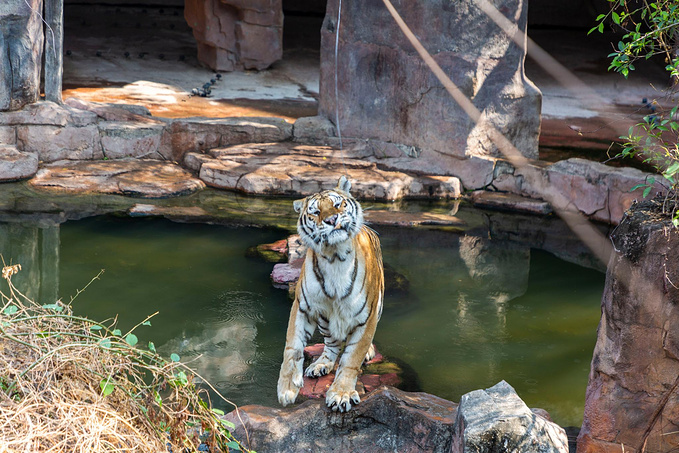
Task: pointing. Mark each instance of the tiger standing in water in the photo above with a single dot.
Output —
(340, 291)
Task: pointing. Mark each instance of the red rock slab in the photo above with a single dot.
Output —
(131, 177)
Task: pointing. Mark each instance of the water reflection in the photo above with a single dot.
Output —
(34, 245)
(483, 306)
(500, 267)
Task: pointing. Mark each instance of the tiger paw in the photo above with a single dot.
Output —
(319, 368)
(372, 351)
(288, 389)
(341, 401)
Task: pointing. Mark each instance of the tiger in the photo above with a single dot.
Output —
(340, 291)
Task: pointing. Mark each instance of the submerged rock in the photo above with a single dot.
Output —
(285, 275)
(376, 372)
(276, 252)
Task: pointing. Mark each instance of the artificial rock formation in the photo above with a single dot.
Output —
(236, 34)
(494, 420)
(21, 40)
(632, 390)
(386, 93)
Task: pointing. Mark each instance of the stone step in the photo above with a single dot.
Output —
(291, 169)
(132, 177)
(15, 164)
(499, 201)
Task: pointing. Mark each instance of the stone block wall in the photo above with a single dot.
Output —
(236, 34)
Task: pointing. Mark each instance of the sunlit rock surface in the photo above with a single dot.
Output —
(15, 164)
(386, 420)
(299, 170)
(496, 420)
(236, 34)
(133, 177)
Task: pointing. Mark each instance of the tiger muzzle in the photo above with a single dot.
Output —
(332, 220)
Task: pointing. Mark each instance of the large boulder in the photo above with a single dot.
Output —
(21, 40)
(632, 396)
(391, 97)
(496, 420)
(387, 420)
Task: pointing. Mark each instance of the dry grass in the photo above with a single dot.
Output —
(70, 384)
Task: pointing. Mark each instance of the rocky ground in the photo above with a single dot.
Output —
(264, 148)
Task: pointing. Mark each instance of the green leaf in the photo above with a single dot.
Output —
(157, 398)
(10, 310)
(174, 357)
(152, 347)
(218, 411)
(56, 307)
(227, 423)
(647, 190)
(601, 27)
(182, 379)
(616, 18)
(96, 327)
(675, 222)
(599, 17)
(233, 445)
(131, 339)
(638, 186)
(105, 343)
(106, 387)
(146, 323)
(117, 332)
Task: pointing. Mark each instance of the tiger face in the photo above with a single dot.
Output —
(329, 217)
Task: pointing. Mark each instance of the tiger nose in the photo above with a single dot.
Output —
(330, 220)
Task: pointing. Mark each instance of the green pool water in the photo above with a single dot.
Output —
(479, 309)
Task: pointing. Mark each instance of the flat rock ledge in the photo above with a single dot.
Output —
(131, 177)
(291, 169)
(389, 420)
(15, 165)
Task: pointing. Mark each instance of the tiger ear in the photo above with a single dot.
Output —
(344, 184)
(298, 204)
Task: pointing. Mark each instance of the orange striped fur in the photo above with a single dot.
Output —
(340, 292)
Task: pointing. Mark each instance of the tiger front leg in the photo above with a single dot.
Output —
(326, 362)
(290, 379)
(342, 393)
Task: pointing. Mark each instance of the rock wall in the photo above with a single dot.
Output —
(236, 34)
(21, 41)
(388, 95)
(636, 358)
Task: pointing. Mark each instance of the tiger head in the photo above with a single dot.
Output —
(329, 217)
